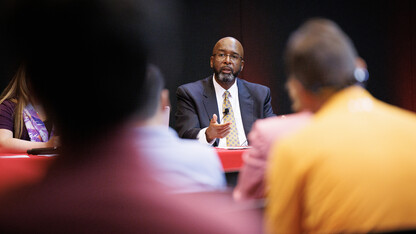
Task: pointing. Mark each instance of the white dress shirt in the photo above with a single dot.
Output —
(219, 92)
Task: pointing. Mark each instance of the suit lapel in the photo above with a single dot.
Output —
(210, 99)
(246, 106)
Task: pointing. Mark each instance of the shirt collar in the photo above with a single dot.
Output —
(352, 99)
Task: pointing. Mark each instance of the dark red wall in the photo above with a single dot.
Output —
(382, 31)
(184, 32)
(402, 54)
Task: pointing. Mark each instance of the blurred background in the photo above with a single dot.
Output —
(183, 33)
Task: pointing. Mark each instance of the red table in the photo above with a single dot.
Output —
(231, 159)
(16, 172)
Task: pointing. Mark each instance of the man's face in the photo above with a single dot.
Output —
(227, 60)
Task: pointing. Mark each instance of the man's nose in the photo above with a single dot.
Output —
(227, 59)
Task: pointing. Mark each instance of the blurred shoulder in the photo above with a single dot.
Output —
(196, 85)
(282, 122)
(193, 146)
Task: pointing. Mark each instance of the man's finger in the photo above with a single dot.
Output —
(221, 127)
(214, 118)
(225, 124)
(223, 131)
(224, 134)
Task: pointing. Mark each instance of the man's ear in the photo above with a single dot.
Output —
(361, 72)
(242, 65)
(211, 61)
(164, 98)
(360, 62)
(297, 94)
(165, 107)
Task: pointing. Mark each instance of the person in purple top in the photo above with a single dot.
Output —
(23, 123)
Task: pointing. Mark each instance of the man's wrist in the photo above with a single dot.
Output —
(202, 137)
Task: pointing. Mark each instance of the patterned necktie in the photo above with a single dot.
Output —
(232, 137)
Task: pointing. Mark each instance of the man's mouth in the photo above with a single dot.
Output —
(226, 70)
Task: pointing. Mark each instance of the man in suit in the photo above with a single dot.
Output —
(352, 168)
(202, 104)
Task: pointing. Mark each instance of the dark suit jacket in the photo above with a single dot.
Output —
(197, 102)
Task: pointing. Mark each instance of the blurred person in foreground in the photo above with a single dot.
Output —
(87, 63)
(266, 132)
(23, 122)
(183, 165)
(220, 109)
(352, 168)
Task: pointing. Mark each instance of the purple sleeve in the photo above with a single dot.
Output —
(6, 115)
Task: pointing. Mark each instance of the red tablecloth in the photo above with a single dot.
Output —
(16, 172)
(231, 159)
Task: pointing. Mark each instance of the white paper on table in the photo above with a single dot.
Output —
(14, 156)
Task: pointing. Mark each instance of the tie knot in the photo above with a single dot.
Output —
(227, 94)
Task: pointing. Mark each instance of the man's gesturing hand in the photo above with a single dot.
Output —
(216, 130)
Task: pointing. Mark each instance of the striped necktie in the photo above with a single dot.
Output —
(232, 137)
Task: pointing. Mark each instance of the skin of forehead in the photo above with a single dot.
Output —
(229, 44)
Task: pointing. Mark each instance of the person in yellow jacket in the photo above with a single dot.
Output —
(352, 169)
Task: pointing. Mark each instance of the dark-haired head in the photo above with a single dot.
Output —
(86, 60)
(320, 55)
(151, 95)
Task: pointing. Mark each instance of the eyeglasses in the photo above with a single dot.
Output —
(233, 57)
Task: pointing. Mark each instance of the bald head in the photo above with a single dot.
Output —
(227, 61)
(229, 43)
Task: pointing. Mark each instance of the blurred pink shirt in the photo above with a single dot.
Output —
(264, 132)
